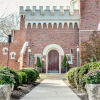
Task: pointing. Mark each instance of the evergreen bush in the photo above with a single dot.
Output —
(93, 77)
(6, 77)
(65, 63)
(76, 75)
(16, 76)
(32, 75)
(38, 63)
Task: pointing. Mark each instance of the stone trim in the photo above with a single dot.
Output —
(50, 47)
(5, 51)
(13, 54)
(99, 26)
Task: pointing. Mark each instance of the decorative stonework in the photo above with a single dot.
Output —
(99, 26)
(53, 47)
(93, 91)
(13, 54)
(47, 16)
(5, 92)
(25, 45)
(5, 51)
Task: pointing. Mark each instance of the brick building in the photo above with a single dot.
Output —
(50, 34)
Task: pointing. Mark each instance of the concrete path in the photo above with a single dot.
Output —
(51, 90)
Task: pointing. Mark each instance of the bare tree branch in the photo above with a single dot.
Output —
(7, 24)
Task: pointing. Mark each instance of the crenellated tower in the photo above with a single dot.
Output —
(48, 15)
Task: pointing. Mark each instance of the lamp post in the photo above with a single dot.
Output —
(9, 41)
(29, 54)
(78, 56)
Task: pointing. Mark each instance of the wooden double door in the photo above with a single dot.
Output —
(53, 61)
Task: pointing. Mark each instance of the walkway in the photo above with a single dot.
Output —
(51, 89)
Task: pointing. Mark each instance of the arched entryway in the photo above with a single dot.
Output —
(59, 53)
(53, 61)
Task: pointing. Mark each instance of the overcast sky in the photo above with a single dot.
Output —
(9, 6)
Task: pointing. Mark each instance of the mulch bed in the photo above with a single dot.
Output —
(21, 91)
(81, 94)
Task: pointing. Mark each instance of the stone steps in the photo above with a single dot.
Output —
(52, 76)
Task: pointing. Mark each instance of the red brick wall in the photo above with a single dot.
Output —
(19, 37)
(89, 18)
(90, 14)
(67, 38)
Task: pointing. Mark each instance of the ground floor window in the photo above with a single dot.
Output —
(37, 55)
(69, 58)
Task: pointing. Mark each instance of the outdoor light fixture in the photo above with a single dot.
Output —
(78, 49)
(43, 59)
(9, 38)
(29, 50)
(9, 41)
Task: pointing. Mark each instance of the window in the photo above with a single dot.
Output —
(13, 54)
(5, 51)
(69, 58)
(37, 55)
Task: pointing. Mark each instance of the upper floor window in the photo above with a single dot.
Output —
(5, 51)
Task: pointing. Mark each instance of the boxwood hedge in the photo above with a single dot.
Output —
(24, 76)
(76, 75)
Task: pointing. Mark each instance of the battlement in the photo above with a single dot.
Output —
(49, 15)
(43, 10)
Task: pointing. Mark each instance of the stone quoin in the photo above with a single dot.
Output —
(50, 34)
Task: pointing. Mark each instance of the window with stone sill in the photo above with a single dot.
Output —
(69, 58)
(5, 51)
(12, 54)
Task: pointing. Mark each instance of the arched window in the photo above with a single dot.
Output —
(12, 54)
(99, 26)
(5, 51)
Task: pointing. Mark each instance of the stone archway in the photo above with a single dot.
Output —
(49, 48)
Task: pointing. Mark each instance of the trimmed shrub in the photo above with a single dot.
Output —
(76, 75)
(70, 76)
(31, 73)
(16, 77)
(6, 77)
(93, 77)
(37, 73)
(38, 63)
(20, 78)
(23, 77)
(85, 69)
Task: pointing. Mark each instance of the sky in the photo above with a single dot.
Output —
(10, 6)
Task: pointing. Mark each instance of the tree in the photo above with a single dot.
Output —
(91, 48)
(65, 63)
(38, 63)
(7, 24)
